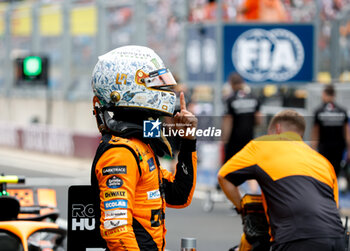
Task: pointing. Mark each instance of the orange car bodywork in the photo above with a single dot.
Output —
(30, 197)
(23, 229)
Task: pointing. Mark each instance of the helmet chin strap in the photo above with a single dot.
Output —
(98, 112)
(165, 141)
(125, 129)
(119, 127)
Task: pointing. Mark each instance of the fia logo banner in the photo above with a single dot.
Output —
(260, 55)
(151, 128)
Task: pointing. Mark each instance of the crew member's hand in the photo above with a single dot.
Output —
(185, 120)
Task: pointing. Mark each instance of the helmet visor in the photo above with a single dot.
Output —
(160, 78)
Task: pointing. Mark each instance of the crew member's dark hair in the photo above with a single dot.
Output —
(329, 90)
(289, 119)
(235, 78)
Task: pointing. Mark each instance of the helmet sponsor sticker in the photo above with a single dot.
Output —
(115, 204)
(110, 224)
(114, 170)
(155, 62)
(152, 195)
(114, 182)
(112, 194)
(114, 231)
(116, 214)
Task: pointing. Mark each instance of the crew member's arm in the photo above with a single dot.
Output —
(231, 191)
(257, 118)
(234, 172)
(226, 128)
(315, 136)
(117, 174)
(179, 188)
(227, 122)
(257, 114)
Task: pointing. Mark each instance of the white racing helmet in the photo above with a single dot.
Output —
(133, 78)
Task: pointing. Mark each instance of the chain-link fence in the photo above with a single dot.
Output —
(73, 33)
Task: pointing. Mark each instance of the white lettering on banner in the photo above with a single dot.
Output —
(260, 55)
(194, 56)
(283, 56)
(83, 224)
(80, 210)
(45, 139)
(82, 217)
(249, 50)
(264, 61)
(209, 55)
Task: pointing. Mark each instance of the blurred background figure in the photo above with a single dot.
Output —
(203, 10)
(330, 135)
(262, 11)
(240, 117)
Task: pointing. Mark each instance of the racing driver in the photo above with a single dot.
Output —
(132, 91)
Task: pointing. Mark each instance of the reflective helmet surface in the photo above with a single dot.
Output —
(133, 77)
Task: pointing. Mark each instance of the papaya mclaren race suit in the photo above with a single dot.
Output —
(299, 186)
(133, 191)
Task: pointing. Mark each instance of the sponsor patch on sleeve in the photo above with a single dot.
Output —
(115, 231)
(116, 214)
(112, 194)
(113, 170)
(152, 195)
(110, 224)
(112, 204)
(114, 182)
(151, 165)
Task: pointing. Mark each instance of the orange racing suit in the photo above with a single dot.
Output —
(133, 191)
